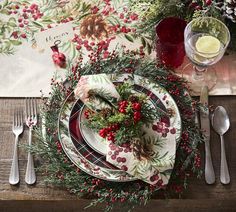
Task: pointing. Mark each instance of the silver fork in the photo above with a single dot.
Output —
(31, 121)
(17, 129)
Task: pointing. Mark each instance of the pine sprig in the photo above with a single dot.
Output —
(119, 124)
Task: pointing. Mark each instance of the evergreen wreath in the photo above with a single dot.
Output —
(60, 172)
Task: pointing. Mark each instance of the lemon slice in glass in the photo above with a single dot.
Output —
(208, 46)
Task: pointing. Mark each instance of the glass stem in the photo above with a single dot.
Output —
(199, 72)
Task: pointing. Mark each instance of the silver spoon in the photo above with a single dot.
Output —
(220, 123)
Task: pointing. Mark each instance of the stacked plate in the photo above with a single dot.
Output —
(88, 151)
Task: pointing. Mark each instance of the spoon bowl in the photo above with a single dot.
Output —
(220, 120)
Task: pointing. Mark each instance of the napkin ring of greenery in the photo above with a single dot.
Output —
(122, 123)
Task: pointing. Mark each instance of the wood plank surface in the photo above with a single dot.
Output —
(198, 197)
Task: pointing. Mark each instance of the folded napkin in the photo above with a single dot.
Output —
(148, 170)
(98, 92)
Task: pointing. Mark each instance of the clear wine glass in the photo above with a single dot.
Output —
(205, 40)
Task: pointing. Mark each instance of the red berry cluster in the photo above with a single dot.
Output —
(90, 46)
(185, 142)
(125, 16)
(199, 5)
(197, 160)
(154, 178)
(94, 9)
(88, 113)
(136, 108)
(208, 2)
(59, 147)
(65, 20)
(24, 12)
(114, 155)
(122, 106)
(34, 10)
(109, 132)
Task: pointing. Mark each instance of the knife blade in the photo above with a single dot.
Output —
(205, 127)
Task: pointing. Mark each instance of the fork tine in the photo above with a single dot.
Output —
(14, 119)
(35, 107)
(17, 118)
(31, 107)
(28, 108)
(21, 118)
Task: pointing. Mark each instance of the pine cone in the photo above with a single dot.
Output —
(133, 98)
(106, 112)
(230, 10)
(142, 150)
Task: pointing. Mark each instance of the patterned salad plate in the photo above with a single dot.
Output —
(86, 149)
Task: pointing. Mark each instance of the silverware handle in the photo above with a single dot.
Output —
(14, 174)
(30, 177)
(224, 171)
(209, 170)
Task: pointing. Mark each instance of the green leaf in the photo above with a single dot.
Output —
(8, 29)
(85, 7)
(37, 24)
(66, 46)
(47, 21)
(3, 29)
(115, 19)
(5, 3)
(27, 2)
(15, 42)
(82, 16)
(12, 24)
(7, 46)
(77, 6)
(149, 48)
(143, 42)
(129, 38)
(12, 19)
(73, 52)
(4, 11)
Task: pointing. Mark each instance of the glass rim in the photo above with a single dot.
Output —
(166, 18)
(213, 54)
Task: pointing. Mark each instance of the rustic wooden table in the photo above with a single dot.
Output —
(198, 197)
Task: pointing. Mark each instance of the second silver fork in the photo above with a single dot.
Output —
(31, 121)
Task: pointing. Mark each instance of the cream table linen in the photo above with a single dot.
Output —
(26, 72)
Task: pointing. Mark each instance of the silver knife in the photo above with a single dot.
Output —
(205, 127)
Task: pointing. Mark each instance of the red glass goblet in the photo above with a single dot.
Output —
(170, 41)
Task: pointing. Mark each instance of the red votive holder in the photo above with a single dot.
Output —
(170, 41)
